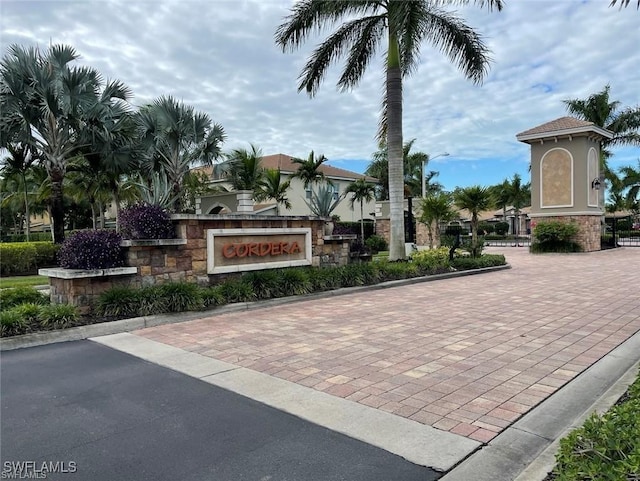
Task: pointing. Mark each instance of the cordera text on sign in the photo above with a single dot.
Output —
(260, 249)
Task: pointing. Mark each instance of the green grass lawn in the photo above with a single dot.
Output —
(23, 281)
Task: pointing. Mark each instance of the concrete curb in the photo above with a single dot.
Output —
(416, 442)
(530, 440)
(546, 461)
(126, 325)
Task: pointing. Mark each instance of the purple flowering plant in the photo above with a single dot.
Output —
(91, 249)
(146, 221)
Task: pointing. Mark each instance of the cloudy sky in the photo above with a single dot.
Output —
(220, 57)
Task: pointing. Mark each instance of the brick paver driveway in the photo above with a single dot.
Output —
(468, 355)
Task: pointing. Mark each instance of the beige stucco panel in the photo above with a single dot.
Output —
(556, 174)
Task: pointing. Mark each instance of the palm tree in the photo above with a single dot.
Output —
(436, 208)
(404, 24)
(309, 170)
(599, 109)
(87, 182)
(412, 168)
(362, 192)
(51, 107)
(413, 163)
(175, 137)
(502, 196)
(271, 186)
(19, 162)
(379, 168)
(631, 180)
(519, 196)
(243, 169)
(475, 199)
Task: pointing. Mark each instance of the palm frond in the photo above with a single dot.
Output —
(355, 35)
(458, 41)
(309, 16)
(623, 3)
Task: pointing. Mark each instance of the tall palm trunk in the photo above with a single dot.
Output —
(362, 220)
(177, 203)
(394, 146)
(116, 203)
(474, 235)
(93, 216)
(101, 208)
(27, 214)
(57, 204)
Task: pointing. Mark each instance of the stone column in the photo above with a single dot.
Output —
(566, 183)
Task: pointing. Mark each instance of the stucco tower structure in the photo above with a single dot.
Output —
(566, 182)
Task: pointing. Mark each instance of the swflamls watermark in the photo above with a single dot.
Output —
(36, 469)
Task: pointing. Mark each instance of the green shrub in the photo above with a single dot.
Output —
(235, 290)
(486, 227)
(555, 236)
(213, 296)
(360, 274)
(295, 282)
(325, 278)
(623, 225)
(431, 260)
(606, 447)
(119, 301)
(21, 295)
(501, 228)
(486, 260)
(33, 237)
(266, 284)
(181, 296)
(12, 323)
(376, 244)
(151, 301)
(392, 271)
(26, 257)
(57, 316)
(46, 253)
(29, 311)
(342, 228)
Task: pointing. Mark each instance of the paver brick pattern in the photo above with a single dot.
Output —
(468, 355)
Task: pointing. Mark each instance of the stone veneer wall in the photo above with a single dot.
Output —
(159, 264)
(422, 234)
(383, 229)
(588, 236)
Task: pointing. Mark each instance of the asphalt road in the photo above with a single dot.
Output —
(109, 416)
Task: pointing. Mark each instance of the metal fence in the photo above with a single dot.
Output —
(629, 240)
(520, 241)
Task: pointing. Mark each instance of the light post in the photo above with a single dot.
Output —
(424, 174)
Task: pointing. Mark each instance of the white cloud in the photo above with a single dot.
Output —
(221, 57)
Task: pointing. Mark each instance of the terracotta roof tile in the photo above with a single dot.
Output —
(285, 164)
(563, 123)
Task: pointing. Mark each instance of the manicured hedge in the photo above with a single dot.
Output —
(555, 236)
(22, 258)
(268, 284)
(486, 260)
(33, 237)
(606, 447)
(342, 228)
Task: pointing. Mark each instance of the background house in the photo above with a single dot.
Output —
(337, 179)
